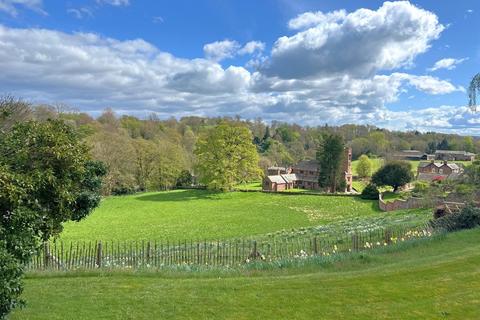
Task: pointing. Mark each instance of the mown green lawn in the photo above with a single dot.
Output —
(199, 214)
(438, 278)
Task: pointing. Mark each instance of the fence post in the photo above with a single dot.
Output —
(46, 255)
(148, 252)
(315, 248)
(388, 236)
(354, 242)
(99, 255)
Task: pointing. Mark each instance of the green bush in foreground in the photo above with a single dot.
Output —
(370, 192)
(46, 179)
(468, 218)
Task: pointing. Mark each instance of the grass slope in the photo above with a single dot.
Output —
(437, 278)
(200, 214)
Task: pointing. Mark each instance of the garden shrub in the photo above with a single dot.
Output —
(468, 218)
(10, 282)
(122, 190)
(370, 192)
(420, 187)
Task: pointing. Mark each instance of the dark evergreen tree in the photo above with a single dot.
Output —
(330, 157)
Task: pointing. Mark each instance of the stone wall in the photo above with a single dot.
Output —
(399, 204)
(416, 203)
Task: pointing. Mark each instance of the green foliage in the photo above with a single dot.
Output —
(287, 134)
(468, 144)
(364, 167)
(184, 179)
(443, 145)
(420, 187)
(10, 281)
(473, 173)
(226, 156)
(370, 192)
(394, 174)
(468, 218)
(46, 179)
(330, 157)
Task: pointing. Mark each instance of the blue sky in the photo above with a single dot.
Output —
(400, 65)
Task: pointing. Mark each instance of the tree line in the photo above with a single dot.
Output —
(158, 154)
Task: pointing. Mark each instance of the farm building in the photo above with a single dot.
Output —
(434, 171)
(305, 175)
(452, 155)
(412, 155)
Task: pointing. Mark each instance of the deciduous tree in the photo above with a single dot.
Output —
(364, 167)
(394, 174)
(226, 156)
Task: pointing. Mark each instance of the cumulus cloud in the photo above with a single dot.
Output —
(359, 43)
(428, 84)
(90, 72)
(11, 6)
(221, 50)
(252, 47)
(447, 63)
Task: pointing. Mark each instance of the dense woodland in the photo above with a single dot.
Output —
(153, 153)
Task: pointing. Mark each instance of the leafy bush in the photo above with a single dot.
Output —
(468, 218)
(420, 187)
(185, 179)
(394, 174)
(370, 192)
(122, 190)
(10, 283)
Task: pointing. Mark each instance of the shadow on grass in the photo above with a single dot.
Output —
(180, 195)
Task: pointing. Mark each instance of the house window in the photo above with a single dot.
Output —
(441, 170)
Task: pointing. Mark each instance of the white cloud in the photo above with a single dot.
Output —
(10, 6)
(116, 3)
(90, 72)
(80, 13)
(447, 63)
(252, 47)
(221, 50)
(312, 19)
(428, 84)
(359, 43)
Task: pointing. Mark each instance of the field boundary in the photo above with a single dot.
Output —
(64, 256)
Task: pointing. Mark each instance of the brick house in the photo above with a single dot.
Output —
(305, 175)
(430, 171)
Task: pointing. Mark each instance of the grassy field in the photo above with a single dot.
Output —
(200, 214)
(376, 164)
(437, 278)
